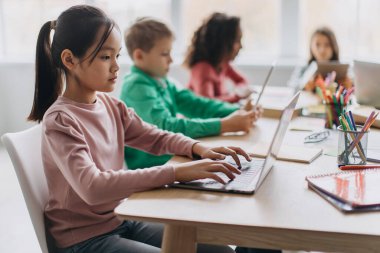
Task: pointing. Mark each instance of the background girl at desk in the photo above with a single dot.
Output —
(214, 45)
(84, 132)
(323, 47)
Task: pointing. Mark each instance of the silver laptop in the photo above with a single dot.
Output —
(265, 83)
(253, 172)
(367, 83)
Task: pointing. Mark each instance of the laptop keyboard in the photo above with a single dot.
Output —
(248, 169)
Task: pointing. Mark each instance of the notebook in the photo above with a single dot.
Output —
(276, 98)
(361, 113)
(254, 172)
(373, 156)
(349, 191)
(289, 153)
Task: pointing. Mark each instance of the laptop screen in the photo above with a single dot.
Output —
(265, 83)
(278, 138)
(254, 176)
(367, 83)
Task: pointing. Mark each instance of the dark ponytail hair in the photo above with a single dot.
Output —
(75, 29)
(213, 40)
(325, 31)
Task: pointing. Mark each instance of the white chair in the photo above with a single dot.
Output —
(24, 149)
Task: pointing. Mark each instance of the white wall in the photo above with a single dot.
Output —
(16, 95)
(17, 88)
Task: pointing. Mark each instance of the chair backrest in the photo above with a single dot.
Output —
(24, 149)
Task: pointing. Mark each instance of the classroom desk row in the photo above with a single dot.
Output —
(282, 214)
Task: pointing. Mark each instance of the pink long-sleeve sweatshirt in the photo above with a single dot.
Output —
(207, 82)
(83, 156)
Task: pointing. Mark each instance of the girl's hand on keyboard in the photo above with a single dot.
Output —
(219, 153)
(201, 169)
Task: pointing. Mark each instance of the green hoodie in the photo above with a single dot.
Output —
(159, 101)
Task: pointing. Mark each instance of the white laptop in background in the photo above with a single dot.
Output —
(265, 83)
(367, 83)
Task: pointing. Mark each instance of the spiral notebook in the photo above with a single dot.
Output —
(349, 191)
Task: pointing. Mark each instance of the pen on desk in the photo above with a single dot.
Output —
(370, 120)
(329, 116)
(319, 92)
(346, 125)
(336, 106)
(338, 92)
(327, 79)
(347, 95)
(359, 167)
(348, 121)
(352, 120)
(344, 154)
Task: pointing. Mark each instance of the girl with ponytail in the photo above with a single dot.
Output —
(84, 132)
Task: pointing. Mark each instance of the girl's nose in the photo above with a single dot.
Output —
(115, 67)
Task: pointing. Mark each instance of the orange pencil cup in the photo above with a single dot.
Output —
(332, 113)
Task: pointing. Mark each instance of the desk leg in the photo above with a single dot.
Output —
(179, 239)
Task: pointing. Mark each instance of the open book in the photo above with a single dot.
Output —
(275, 99)
(349, 191)
(361, 113)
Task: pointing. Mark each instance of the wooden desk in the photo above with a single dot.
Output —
(283, 214)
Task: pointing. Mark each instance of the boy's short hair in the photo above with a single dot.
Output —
(144, 33)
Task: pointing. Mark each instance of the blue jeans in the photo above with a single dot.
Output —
(139, 237)
(133, 237)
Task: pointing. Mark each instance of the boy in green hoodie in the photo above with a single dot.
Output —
(158, 101)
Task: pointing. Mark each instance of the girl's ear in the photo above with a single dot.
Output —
(68, 59)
